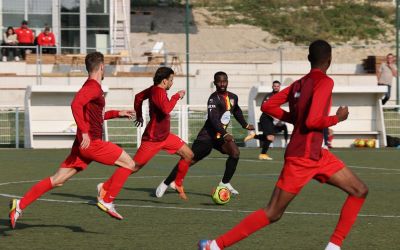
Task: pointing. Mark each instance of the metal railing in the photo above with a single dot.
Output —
(11, 126)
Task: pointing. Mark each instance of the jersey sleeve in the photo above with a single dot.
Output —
(272, 106)
(214, 116)
(111, 114)
(139, 98)
(238, 113)
(316, 118)
(84, 96)
(162, 102)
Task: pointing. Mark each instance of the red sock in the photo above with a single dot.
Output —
(253, 222)
(107, 184)
(348, 216)
(183, 167)
(118, 180)
(35, 192)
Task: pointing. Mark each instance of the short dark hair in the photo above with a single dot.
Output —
(218, 74)
(93, 61)
(319, 51)
(390, 54)
(24, 22)
(161, 74)
(276, 81)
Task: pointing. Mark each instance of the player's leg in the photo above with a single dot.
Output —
(357, 191)
(200, 150)
(36, 191)
(110, 154)
(253, 222)
(232, 150)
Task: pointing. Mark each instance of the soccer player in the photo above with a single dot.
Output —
(157, 135)
(269, 127)
(221, 104)
(88, 111)
(309, 103)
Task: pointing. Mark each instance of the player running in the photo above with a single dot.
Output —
(309, 103)
(88, 111)
(221, 104)
(157, 135)
(269, 126)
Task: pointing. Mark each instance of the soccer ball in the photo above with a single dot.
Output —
(371, 143)
(221, 195)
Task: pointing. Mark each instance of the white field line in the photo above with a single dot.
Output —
(205, 209)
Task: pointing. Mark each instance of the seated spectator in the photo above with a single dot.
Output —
(10, 39)
(47, 41)
(25, 38)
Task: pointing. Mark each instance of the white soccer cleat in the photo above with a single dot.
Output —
(332, 246)
(100, 191)
(15, 212)
(109, 208)
(160, 191)
(208, 245)
(229, 186)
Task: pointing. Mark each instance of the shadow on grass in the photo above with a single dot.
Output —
(151, 192)
(5, 229)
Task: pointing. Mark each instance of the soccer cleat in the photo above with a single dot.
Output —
(249, 137)
(101, 192)
(181, 192)
(109, 208)
(161, 189)
(208, 245)
(15, 212)
(264, 157)
(332, 246)
(229, 186)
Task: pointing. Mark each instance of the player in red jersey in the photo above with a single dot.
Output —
(88, 111)
(309, 103)
(157, 135)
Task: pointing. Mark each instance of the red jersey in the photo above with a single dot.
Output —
(309, 100)
(160, 106)
(88, 110)
(46, 40)
(24, 35)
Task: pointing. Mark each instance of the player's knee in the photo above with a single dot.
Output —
(274, 216)
(130, 165)
(57, 181)
(189, 156)
(235, 154)
(361, 191)
(270, 137)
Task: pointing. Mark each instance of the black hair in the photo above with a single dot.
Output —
(276, 81)
(93, 61)
(10, 28)
(319, 51)
(24, 22)
(218, 74)
(161, 74)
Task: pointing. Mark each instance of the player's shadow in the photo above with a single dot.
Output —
(92, 200)
(21, 226)
(151, 192)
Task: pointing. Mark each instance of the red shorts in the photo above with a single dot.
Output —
(104, 152)
(148, 149)
(298, 171)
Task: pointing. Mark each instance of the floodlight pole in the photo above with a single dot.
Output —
(187, 50)
(397, 51)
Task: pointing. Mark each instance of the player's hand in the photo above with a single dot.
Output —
(139, 122)
(342, 113)
(228, 138)
(85, 141)
(250, 127)
(127, 113)
(181, 93)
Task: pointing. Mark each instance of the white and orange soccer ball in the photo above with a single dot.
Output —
(221, 195)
